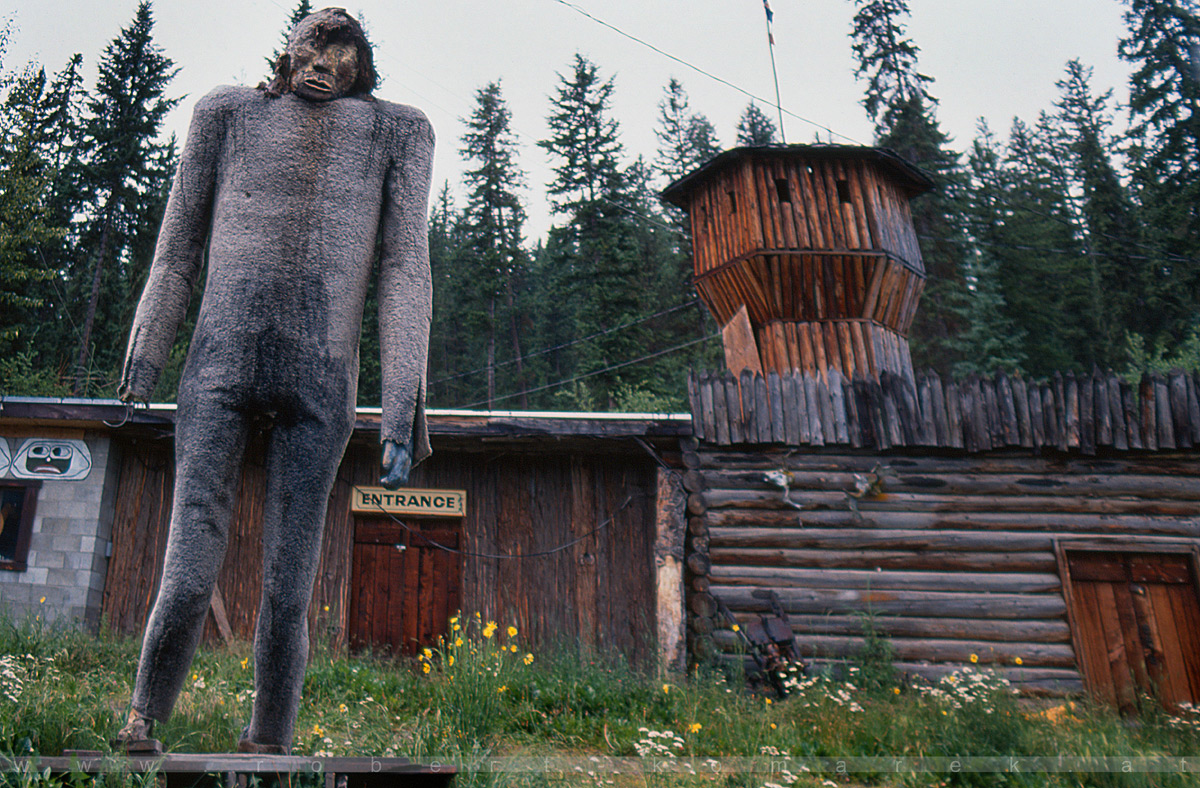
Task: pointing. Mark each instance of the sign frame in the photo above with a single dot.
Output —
(408, 501)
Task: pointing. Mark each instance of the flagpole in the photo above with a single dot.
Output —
(774, 71)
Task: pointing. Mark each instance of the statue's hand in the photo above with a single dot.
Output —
(397, 462)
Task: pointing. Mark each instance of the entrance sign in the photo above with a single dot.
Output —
(412, 502)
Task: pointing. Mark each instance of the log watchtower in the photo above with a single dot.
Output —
(816, 243)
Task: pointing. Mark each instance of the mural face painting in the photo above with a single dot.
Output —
(292, 184)
(61, 460)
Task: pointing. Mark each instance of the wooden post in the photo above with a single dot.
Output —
(669, 528)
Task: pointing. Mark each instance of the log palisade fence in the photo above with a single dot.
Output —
(937, 507)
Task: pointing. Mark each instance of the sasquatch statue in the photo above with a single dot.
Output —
(291, 187)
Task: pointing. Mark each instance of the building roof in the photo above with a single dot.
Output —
(114, 414)
(916, 180)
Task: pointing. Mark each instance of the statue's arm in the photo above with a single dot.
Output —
(405, 303)
(177, 257)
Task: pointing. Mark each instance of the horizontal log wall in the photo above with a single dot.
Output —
(953, 555)
(1067, 412)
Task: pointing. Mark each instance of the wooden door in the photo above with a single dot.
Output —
(405, 584)
(1135, 623)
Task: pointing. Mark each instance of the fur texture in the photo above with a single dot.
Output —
(290, 197)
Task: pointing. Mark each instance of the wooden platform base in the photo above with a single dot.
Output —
(219, 770)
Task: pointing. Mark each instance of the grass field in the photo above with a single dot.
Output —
(483, 700)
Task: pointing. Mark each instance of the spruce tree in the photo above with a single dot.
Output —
(493, 237)
(1163, 44)
(1044, 274)
(302, 9)
(121, 174)
(898, 102)
(38, 136)
(593, 256)
(1125, 293)
(755, 128)
(685, 139)
(993, 341)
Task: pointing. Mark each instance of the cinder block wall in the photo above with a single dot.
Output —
(69, 546)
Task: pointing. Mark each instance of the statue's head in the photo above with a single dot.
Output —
(327, 57)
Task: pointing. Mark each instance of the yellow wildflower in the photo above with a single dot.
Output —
(327, 608)
(896, 690)
(428, 654)
(450, 660)
(454, 620)
(974, 658)
(458, 642)
(513, 648)
(768, 700)
(1019, 661)
(736, 628)
(195, 676)
(245, 662)
(456, 627)
(342, 708)
(425, 667)
(512, 632)
(42, 601)
(694, 727)
(503, 688)
(666, 688)
(490, 629)
(772, 726)
(528, 659)
(317, 730)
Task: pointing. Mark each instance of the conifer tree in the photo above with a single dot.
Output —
(898, 101)
(38, 134)
(493, 235)
(121, 176)
(1163, 44)
(1124, 288)
(593, 256)
(686, 139)
(755, 128)
(993, 341)
(302, 9)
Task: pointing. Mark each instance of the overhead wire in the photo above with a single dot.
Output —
(587, 338)
(593, 373)
(702, 71)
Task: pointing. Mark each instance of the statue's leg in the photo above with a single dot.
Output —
(210, 438)
(302, 464)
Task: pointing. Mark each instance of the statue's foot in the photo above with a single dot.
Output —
(255, 748)
(135, 738)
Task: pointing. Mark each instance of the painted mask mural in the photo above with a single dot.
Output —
(43, 458)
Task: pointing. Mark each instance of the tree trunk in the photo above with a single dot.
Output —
(81, 362)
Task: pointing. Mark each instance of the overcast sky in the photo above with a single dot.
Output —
(990, 58)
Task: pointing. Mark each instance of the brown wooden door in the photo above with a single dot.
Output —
(1136, 625)
(405, 587)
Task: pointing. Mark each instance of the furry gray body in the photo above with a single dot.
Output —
(290, 196)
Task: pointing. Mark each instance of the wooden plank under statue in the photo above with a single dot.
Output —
(291, 187)
(176, 770)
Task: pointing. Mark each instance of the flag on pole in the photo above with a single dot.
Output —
(770, 14)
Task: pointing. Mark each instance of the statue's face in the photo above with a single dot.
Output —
(323, 74)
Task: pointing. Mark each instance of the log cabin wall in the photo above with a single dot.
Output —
(937, 508)
(523, 496)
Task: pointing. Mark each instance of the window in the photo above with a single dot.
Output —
(17, 502)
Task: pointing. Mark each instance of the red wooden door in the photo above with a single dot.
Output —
(1136, 625)
(405, 584)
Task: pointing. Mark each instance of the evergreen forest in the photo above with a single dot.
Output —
(1065, 242)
